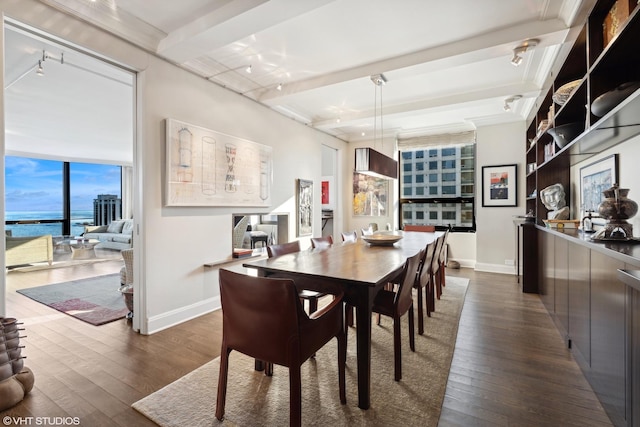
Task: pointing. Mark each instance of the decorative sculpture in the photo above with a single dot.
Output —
(553, 199)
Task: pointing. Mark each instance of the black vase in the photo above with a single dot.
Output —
(607, 101)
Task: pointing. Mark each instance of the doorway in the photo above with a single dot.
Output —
(67, 106)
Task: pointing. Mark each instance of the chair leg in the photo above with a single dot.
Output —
(412, 333)
(420, 312)
(439, 283)
(222, 382)
(397, 351)
(268, 369)
(342, 360)
(295, 396)
(348, 313)
(313, 305)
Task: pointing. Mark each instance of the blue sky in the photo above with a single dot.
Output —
(34, 185)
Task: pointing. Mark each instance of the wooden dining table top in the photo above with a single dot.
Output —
(356, 262)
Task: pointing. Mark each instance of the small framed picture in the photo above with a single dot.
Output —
(305, 207)
(499, 186)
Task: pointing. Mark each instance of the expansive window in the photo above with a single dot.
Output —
(437, 186)
(55, 197)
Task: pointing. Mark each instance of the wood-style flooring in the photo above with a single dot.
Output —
(510, 366)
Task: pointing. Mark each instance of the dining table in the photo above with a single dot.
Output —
(361, 269)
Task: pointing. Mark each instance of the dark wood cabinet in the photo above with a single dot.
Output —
(580, 302)
(607, 371)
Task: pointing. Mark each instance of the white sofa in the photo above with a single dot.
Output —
(117, 235)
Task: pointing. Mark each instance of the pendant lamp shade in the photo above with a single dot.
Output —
(374, 163)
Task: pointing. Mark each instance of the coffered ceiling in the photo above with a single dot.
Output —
(447, 63)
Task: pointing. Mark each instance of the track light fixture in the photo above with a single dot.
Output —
(40, 70)
(279, 87)
(508, 101)
(519, 50)
(248, 69)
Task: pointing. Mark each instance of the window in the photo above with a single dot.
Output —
(448, 199)
(407, 167)
(55, 197)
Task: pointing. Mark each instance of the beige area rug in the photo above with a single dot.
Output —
(39, 266)
(254, 399)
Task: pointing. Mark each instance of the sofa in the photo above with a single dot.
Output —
(28, 249)
(118, 235)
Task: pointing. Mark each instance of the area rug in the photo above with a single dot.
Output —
(38, 266)
(256, 400)
(95, 300)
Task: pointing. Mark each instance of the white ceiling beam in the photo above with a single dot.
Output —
(105, 15)
(232, 22)
(467, 51)
(445, 102)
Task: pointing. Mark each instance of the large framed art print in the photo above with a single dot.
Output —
(499, 186)
(594, 179)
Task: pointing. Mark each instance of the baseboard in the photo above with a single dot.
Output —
(495, 268)
(465, 263)
(183, 314)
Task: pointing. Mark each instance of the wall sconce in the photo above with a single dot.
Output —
(519, 50)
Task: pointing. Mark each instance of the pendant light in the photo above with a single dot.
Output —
(369, 161)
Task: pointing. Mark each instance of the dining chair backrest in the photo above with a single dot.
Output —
(435, 263)
(366, 231)
(423, 228)
(321, 242)
(373, 226)
(352, 236)
(283, 248)
(425, 266)
(443, 249)
(404, 297)
(243, 307)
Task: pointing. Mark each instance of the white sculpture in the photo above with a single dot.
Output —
(553, 199)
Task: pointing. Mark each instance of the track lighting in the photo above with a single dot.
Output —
(40, 70)
(279, 87)
(248, 69)
(519, 50)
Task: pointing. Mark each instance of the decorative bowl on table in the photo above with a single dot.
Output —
(382, 239)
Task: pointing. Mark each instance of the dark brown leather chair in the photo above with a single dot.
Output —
(442, 259)
(279, 332)
(424, 282)
(423, 228)
(321, 242)
(350, 237)
(289, 248)
(395, 304)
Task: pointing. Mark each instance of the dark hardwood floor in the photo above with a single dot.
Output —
(510, 365)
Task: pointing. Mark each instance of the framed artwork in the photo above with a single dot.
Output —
(370, 195)
(499, 186)
(305, 207)
(209, 168)
(325, 192)
(594, 179)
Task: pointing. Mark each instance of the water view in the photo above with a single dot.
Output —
(78, 220)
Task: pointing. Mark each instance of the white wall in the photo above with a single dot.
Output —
(175, 242)
(495, 237)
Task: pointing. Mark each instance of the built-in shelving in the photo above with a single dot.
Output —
(599, 67)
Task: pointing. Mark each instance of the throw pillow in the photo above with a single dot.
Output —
(115, 227)
(128, 227)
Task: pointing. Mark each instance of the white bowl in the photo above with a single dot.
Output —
(381, 239)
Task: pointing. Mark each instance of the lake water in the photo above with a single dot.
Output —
(78, 221)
